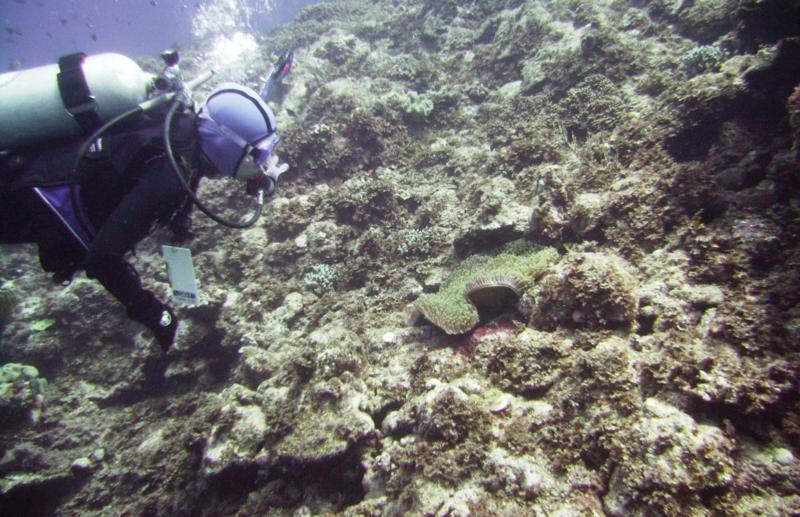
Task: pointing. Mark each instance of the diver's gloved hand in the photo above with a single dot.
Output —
(277, 73)
(181, 230)
(159, 318)
(283, 66)
(267, 181)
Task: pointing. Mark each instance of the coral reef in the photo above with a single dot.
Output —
(593, 210)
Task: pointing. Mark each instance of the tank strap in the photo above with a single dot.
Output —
(75, 92)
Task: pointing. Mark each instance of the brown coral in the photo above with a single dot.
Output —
(588, 290)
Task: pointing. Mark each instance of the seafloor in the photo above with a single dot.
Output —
(602, 195)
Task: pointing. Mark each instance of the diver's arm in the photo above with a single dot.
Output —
(156, 194)
(181, 224)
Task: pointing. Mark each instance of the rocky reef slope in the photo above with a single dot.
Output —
(532, 258)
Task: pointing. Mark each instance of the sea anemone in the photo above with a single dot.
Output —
(482, 285)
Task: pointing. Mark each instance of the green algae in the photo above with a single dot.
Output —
(43, 324)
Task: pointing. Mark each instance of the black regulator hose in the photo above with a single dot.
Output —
(99, 132)
(73, 192)
(178, 172)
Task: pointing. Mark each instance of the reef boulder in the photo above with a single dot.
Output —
(586, 290)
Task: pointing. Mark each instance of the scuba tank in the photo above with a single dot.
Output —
(71, 98)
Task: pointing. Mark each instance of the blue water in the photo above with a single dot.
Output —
(37, 32)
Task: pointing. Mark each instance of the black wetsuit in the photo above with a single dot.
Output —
(126, 190)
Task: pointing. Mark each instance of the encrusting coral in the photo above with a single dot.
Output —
(482, 282)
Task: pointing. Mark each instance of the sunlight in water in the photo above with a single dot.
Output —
(230, 55)
(224, 16)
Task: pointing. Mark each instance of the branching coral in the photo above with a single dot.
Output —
(321, 278)
(482, 282)
(702, 59)
(594, 104)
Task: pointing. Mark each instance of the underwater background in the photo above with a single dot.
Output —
(532, 257)
(37, 32)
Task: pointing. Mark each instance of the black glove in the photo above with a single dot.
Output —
(181, 230)
(268, 179)
(261, 182)
(158, 317)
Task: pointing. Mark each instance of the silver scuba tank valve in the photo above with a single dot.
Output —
(171, 78)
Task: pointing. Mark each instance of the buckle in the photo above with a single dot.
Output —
(89, 105)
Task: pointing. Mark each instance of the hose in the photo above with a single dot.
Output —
(177, 169)
(99, 132)
(73, 192)
(141, 108)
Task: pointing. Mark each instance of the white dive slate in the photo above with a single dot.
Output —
(181, 275)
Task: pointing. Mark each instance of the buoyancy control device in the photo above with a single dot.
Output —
(70, 98)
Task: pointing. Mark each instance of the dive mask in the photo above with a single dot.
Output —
(258, 157)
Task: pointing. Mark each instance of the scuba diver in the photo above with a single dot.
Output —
(86, 201)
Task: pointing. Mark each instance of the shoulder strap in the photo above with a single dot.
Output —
(75, 92)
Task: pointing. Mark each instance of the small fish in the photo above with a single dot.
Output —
(94, 37)
(14, 64)
(49, 35)
(63, 21)
(13, 31)
(154, 3)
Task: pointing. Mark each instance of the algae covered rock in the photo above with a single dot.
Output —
(238, 434)
(21, 393)
(591, 290)
(671, 459)
(483, 281)
(528, 364)
(328, 426)
(340, 350)
(7, 304)
(498, 217)
(446, 413)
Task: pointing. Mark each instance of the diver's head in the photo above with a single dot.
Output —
(237, 131)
